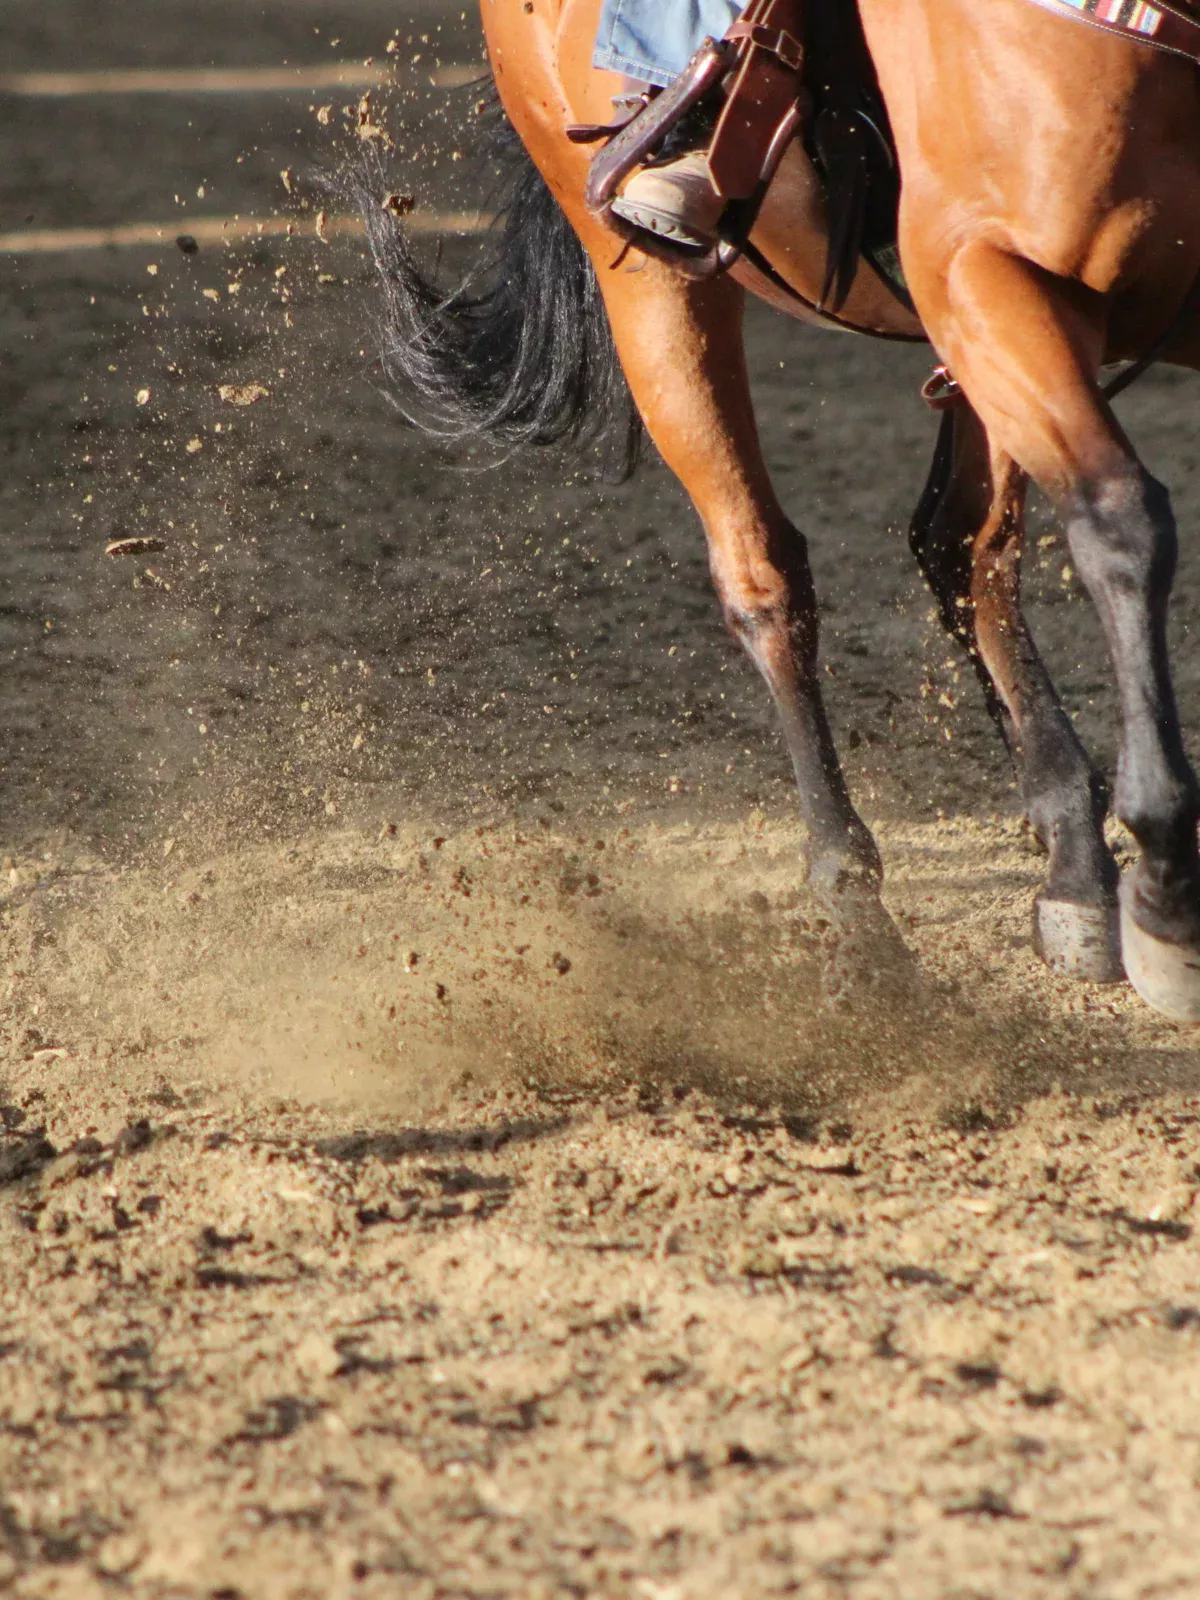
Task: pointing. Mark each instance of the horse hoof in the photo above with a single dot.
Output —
(1078, 941)
(1165, 975)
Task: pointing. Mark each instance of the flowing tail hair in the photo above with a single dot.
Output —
(520, 352)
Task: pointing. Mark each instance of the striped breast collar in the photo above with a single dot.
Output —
(1164, 27)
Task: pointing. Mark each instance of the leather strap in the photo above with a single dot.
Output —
(1162, 26)
(777, 40)
(763, 98)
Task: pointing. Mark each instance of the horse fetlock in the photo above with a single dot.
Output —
(1160, 807)
(847, 886)
(1162, 896)
(1076, 929)
(1081, 867)
(1086, 874)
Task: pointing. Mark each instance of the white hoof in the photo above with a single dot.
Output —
(1167, 976)
(1078, 941)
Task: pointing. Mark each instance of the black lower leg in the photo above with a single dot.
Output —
(968, 535)
(1064, 797)
(1123, 539)
(779, 632)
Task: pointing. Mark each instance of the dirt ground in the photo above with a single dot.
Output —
(428, 1165)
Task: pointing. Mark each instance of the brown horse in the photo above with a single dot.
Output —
(1049, 224)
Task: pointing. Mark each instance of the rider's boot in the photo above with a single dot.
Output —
(676, 200)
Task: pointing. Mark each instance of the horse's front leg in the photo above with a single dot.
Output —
(1026, 355)
(682, 350)
(968, 534)
(1122, 534)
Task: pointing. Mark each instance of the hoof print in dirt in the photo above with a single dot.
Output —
(25, 1157)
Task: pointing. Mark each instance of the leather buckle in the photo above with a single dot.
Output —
(940, 391)
(775, 40)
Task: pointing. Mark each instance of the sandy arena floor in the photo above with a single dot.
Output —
(427, 1165)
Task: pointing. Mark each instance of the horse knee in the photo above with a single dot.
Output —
(1122, 534)
(772, 630)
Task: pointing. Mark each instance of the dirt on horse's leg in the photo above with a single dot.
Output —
(968, 534)
(1026, 351)
(681, 347)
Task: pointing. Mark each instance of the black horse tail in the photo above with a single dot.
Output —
(518, 353)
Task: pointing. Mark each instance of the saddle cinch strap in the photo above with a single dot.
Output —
(761, 56)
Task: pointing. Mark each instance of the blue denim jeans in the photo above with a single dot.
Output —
(653, 40)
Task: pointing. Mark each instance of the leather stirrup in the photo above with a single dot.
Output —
(760, 59)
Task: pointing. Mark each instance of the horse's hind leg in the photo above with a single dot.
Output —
(967, 534)
(681, 347)
(1029, 367)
